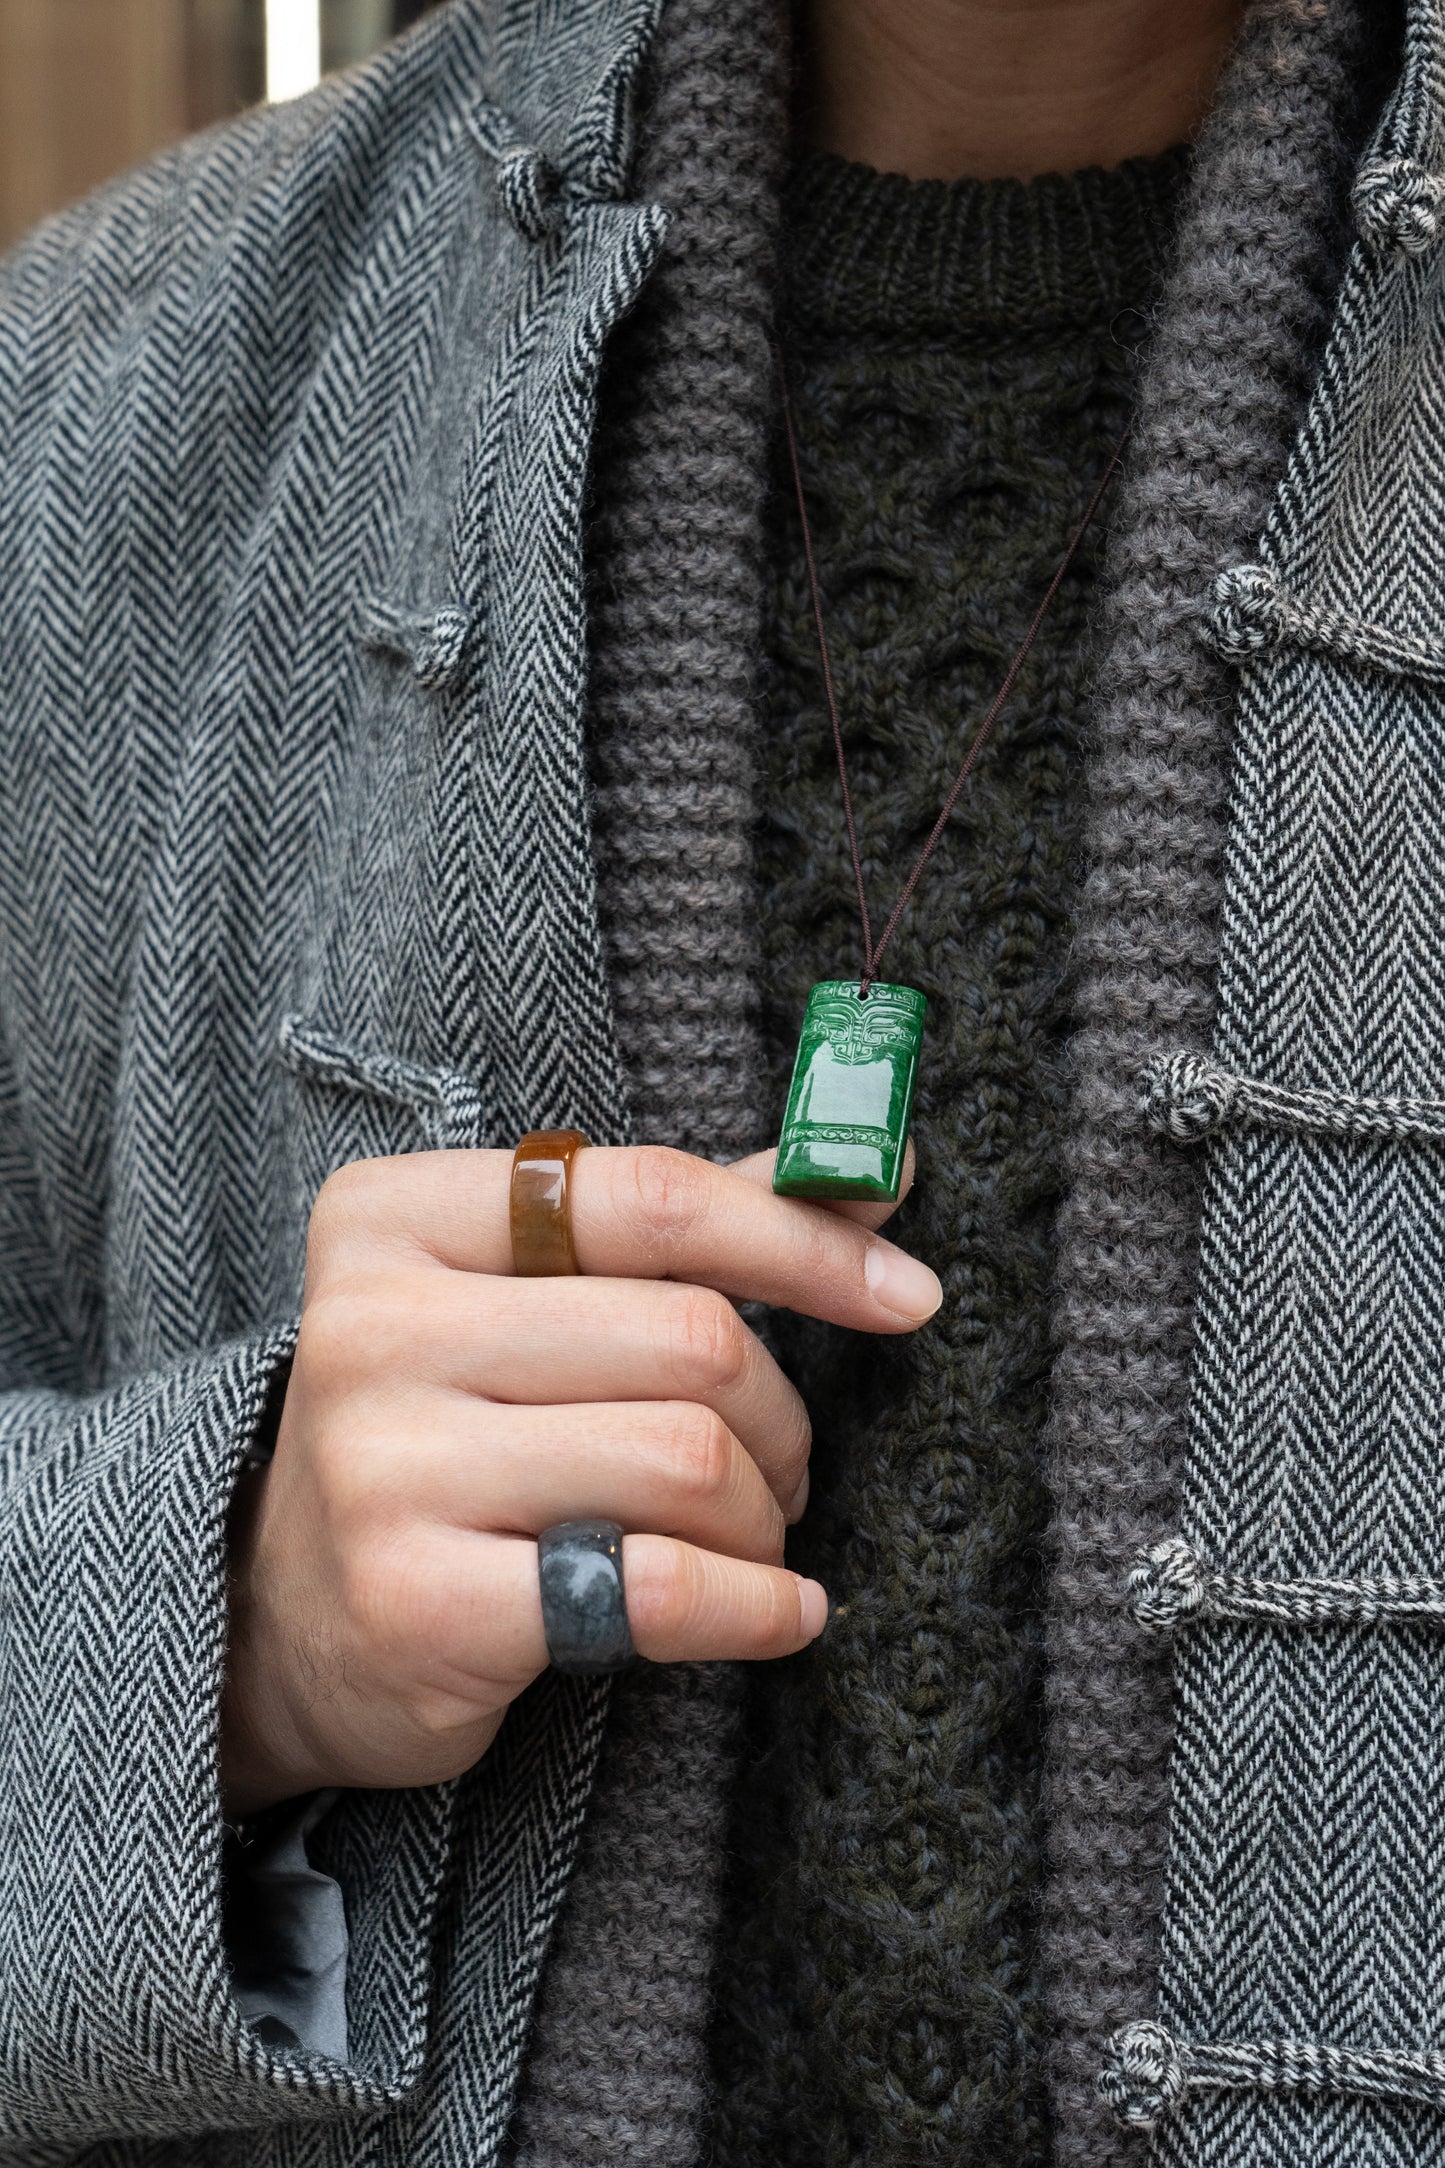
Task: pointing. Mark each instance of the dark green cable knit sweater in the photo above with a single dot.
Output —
(962, 360)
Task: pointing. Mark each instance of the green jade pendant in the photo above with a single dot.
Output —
(851, 1099)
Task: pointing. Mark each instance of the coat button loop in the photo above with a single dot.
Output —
(1248, 614)
(1398, 206)
(530, 188)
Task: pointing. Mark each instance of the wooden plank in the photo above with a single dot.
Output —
(90, 87)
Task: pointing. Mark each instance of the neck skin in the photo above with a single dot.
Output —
(940, 89)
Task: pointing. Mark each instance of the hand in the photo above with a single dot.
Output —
(441, 1414)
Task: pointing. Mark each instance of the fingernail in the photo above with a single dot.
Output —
(901, 1283)
(800, 1499)
(813, 1599)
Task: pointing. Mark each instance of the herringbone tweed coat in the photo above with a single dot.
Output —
(295, 865)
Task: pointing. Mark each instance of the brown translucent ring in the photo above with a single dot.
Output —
(541, 1204)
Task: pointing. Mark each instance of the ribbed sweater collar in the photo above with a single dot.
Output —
(868, 251)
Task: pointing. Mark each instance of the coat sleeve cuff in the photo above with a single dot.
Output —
(119, 2011)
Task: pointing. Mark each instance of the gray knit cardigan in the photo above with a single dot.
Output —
(298, 861)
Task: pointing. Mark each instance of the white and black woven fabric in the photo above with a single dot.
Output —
(1302, 2005)
(294, 866)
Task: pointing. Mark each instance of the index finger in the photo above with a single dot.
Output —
(650, 1213)
(658, 1214)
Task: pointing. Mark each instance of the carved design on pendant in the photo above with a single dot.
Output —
(845, 1130)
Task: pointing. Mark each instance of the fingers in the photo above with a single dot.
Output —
(669, 1468)
(660, 1214)
(479, 1608)
(648, 1213)
(690, 1606)
(551, 1342)
(759, 1169)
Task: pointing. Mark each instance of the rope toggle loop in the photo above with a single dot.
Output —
(529, 186)
(1171, 1586)
(1186, 1097)
(1249, 616)
(1143, 2074)
(1168, 1585)
(530, 189)
(433, 642)
(1146, 2071)
(446, 1102)
(1397, 206)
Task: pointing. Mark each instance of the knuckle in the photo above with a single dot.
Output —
(446, 1726)
(355, 1470)
(342, 1199)
(827, 1249)
(379, 1596)
(366, 1592)
(328, 1338)
(350, 1333)
(702, 1452)
(664, 1586)
(671, 1192)
(773, 1548)
(710, 1340)
(797, 1452)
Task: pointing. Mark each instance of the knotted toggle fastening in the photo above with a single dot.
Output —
(446, 1102)
(529, 186)
(432, 641)
(1172, 1586)
(1398, 205)
(1143, 2074)
(1252, 613)
(1248, 614)
(1167, 1585)
(1146, 2071)
(1187, 1097)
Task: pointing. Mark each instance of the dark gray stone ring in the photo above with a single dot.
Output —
(584, 1603)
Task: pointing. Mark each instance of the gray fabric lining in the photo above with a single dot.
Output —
(286, 1930)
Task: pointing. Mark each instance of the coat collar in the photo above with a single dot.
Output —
(565, 73)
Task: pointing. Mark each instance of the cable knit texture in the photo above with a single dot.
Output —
(1260, 248)
(962, 362)
(879, 1990)
(617, 2072)
(312, 358)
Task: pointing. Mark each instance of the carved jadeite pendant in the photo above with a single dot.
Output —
(851, 1100)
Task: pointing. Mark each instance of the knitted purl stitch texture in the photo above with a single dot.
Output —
(617, 2069)
(960, 374)
(1259, 250)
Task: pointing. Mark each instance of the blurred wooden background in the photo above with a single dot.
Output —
(89, 87)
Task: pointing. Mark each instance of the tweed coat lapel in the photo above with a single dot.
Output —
(1302, 2005)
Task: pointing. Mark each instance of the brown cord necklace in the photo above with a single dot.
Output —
(850, 1104)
